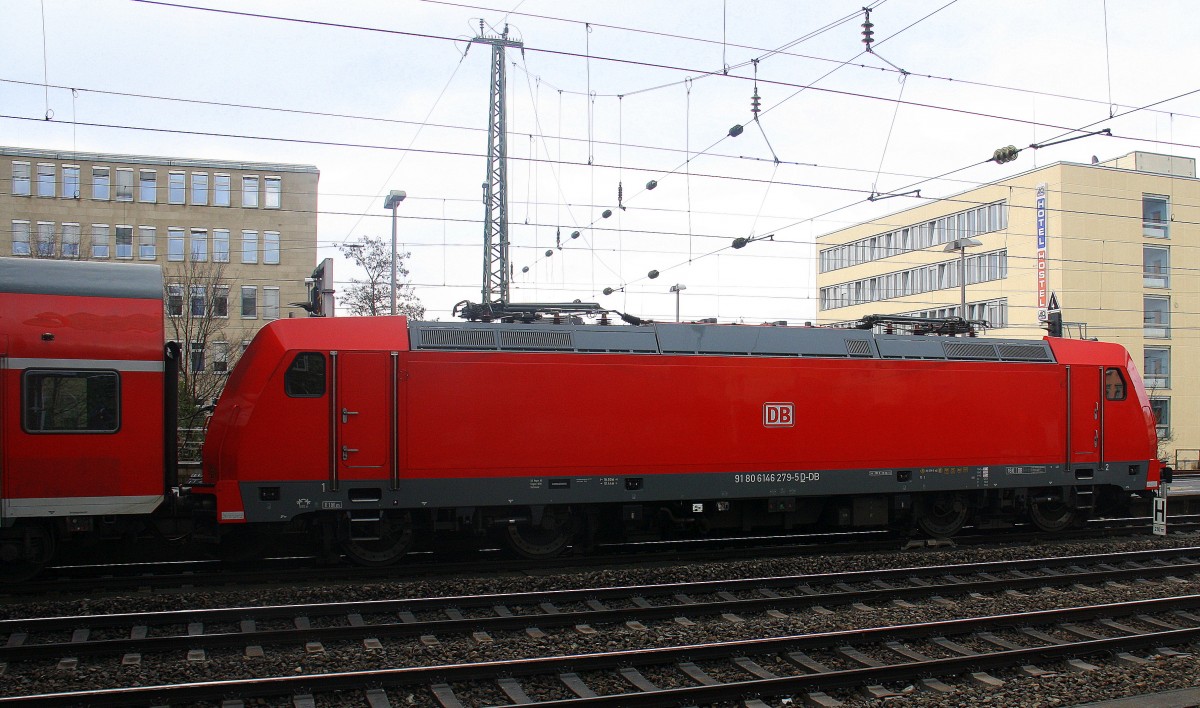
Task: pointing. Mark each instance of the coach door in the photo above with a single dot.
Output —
(4, 417)
(363, 416)
(1085, 415)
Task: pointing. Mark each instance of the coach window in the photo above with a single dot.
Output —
(1114, 385)
(71, 401)
(305, 378)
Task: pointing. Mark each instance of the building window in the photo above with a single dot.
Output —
(174, 244)
(100, 241)
(1156, 216)
(196, 301)
(972, 222)
(271, 247)
(176, 187)
(175, 300)
(199, 245)
(70, 240)
(249, 302)
(980, 268)
(221, 190)
(1156, 267)
(147, 246)
(196, 356)
(220, 362)
(45, 180)
(20, 239)
(270, 303)
(200, 188)
(272, 192)
(1161, 408)
(148, 186)
(124, 185)
(249, 247)
(1157, 367)
(70, 181)
(71, 401)
(1156, 317)
(250, 191)
(124, 242)
(101, 183)
(220, 301)
(45, 239)
(20, 179)
(220, 244)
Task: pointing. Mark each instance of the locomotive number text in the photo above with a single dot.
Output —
(769, 477)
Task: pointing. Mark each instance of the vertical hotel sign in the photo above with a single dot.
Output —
(1043, 289)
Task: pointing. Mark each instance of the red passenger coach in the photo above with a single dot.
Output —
(386, 429)
(81, 401)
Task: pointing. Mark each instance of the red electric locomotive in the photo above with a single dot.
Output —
(379, 430)
(372, 433)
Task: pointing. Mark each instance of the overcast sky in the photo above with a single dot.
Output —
(404, 109)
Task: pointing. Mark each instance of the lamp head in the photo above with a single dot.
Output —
(393, 198)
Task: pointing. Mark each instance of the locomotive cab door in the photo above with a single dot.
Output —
(363, 413)
(1086, 416)
(365, 417)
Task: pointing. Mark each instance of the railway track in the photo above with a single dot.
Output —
(128, 640)
(91, 580)
(1038, 643)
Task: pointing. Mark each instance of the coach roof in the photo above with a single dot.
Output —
(39, 276)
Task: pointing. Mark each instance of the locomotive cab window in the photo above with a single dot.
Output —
(71, 401)
(305, 378)
(1114, 385)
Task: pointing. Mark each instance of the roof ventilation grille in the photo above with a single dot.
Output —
(438, 338)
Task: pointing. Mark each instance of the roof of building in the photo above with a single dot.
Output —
(74, 155)
(1116, 163)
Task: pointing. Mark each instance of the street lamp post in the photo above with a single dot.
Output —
(677, 288)
(961, 245)
(392, 201)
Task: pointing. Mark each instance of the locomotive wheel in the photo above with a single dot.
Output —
(380, 543)
(1051, 515)
(944, 513)
(545, 540)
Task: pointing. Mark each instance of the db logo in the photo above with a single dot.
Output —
(779, 415)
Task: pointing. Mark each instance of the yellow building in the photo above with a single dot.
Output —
(236, 240)
(1117, 252)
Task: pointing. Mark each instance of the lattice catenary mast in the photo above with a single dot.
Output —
(495, 190)
(496, 270)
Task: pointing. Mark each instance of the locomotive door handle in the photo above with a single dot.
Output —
(346, 451)
(346, 415)
(1096, 411)
(1096, 439)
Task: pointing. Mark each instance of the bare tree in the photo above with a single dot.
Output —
(197, 305)
(372, 296)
